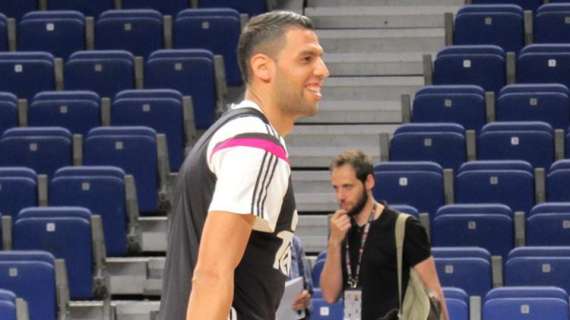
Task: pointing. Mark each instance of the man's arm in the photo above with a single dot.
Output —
(331, 276)
(428, 273)
(224, 239)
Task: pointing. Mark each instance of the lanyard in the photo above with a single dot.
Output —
(353, 280)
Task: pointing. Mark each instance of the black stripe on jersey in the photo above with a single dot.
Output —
(257, 187)
(273, 169)
(264, 183)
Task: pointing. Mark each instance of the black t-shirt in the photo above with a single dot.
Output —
(378, 271)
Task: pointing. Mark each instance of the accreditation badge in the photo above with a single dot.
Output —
(352, 304)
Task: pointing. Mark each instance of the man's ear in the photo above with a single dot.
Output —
(261, 66)
(370, 182)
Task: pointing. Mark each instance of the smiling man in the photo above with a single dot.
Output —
(229, 245)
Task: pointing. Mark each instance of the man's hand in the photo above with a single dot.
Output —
(340, 224)
(302, 301)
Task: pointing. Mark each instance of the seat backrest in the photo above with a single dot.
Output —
(496, 165)
(462, 104)
(544, 63)
(66, 233)
(405, 208)
(17, 8)
(43, 149)
(91, 70)
(527, 292)
(191, 72)
(132, 149)
(216, 30)
(31, 276)
(471, 64)
(139, 31)
(549, 23)
(527, 308)
(498, 24)
(540, 251)
(475, 208)
(525, 4)
(252, 7)
(8, 111)
(77, 111)
(470, 274)
(26, 73)
(3, 32)
(87, 7)
(170, 7)
(161, 110)
(455, 293)
(59, 32)
(18, 189)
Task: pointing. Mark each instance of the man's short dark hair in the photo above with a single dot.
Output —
(266, 28)
(358, 160)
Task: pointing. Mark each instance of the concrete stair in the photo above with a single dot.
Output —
(387, 17)
(354, 111)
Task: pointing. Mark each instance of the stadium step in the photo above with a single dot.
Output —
(370, 88)
(385, 41)
(388, 17)
(357, 111)
(350, 3)
(314, 146)
(375, 64)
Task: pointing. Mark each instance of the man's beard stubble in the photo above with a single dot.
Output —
(359, 205)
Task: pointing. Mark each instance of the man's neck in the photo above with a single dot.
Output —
(281, 122)
(370, 208)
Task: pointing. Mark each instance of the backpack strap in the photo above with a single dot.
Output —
(400, 234)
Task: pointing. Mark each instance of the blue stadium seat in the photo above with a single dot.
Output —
(419, 184)
(251, 7)
(525, 4)
(455, 293)
(496, 182)
(316, 272)
(216, 30)
(58, 32)
(497, 24)
(85, 186)
(443, 143)
(91, 70)
(544, 63)
(66, 233)
(170, 7)
(8, 111)
(18, 189)
(481, 65)
(321, 310)
(405, 209)
(538, 266)
(77, 111)
(526, 309)
(191, 72)
(26, 73)
(463, 104)
(17, 8)
(31, 276)
(132, 149)
(467, 268)
(3, 32)
(457, 309)
(548, 224)
(138, 31)
(527, 292)
(43, 149)
(535, 102)
(489, 226)
(87, 7)
(557, 181)
(550, 23)
(532, 141)
(8, 305)
(158, 109)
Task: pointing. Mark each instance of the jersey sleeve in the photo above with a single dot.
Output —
(417, 247)
(252, 176)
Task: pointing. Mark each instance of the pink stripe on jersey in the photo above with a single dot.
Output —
(263, 144)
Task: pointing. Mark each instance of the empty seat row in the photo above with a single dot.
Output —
(472, 108)
(137, 150)
(514, 183)
(140, 32)
(17, 8)
(189, 71)
(504, 25)
(486, 65)
(525, 4)
(82, 186)
(449, 145)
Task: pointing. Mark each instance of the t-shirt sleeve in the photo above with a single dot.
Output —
(417, 247)
(252, 177)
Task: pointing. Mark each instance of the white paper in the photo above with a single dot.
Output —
(292, 289)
